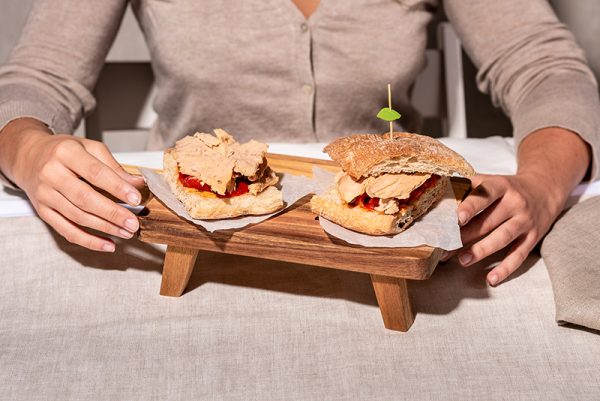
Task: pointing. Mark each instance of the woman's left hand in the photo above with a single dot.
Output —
(502, 211)
(516, 211)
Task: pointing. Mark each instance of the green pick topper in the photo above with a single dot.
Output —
(387, 113)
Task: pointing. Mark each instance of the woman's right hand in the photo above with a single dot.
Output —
(51, 169)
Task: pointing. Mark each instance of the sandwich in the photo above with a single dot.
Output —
(216, 177)
(387, 181)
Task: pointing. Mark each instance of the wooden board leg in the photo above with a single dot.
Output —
(394, 303)
(178, 267)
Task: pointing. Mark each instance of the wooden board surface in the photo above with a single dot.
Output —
(292, 236)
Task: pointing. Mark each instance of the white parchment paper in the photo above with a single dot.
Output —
(437, 228)
(293, 187)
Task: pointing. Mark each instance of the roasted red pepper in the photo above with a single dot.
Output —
(241, 188)
(369, 203)
(192, 182)
(241, 185)
(417, 192)
(365, 201)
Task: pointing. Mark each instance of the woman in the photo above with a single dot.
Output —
(296, 70)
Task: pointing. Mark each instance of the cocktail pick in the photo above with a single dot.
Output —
(387, 113)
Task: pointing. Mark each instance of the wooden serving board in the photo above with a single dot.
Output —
(291, 236)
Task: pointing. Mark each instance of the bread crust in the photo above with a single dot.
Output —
(374, 154)
(331, 207)
(199, 207)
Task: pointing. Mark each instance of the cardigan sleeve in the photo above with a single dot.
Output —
(531, 66)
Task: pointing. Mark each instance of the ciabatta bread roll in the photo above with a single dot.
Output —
(387, 181)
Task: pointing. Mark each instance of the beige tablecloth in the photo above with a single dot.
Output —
(76, 325)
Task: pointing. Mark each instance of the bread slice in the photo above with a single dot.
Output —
(330, 206)
(374, 154)
(208, 208)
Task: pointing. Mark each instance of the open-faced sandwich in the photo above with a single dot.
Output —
(216, 177)
(387, 181)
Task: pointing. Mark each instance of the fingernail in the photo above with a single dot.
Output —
(131, 224)
(133, 198)
(462, 218)
(445, 256)
(125, 234)
(108, 247)
(493, 280)
(465, 258)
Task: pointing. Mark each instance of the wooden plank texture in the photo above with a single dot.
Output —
(292, 236)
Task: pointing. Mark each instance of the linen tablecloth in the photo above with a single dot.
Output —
(77, 325)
